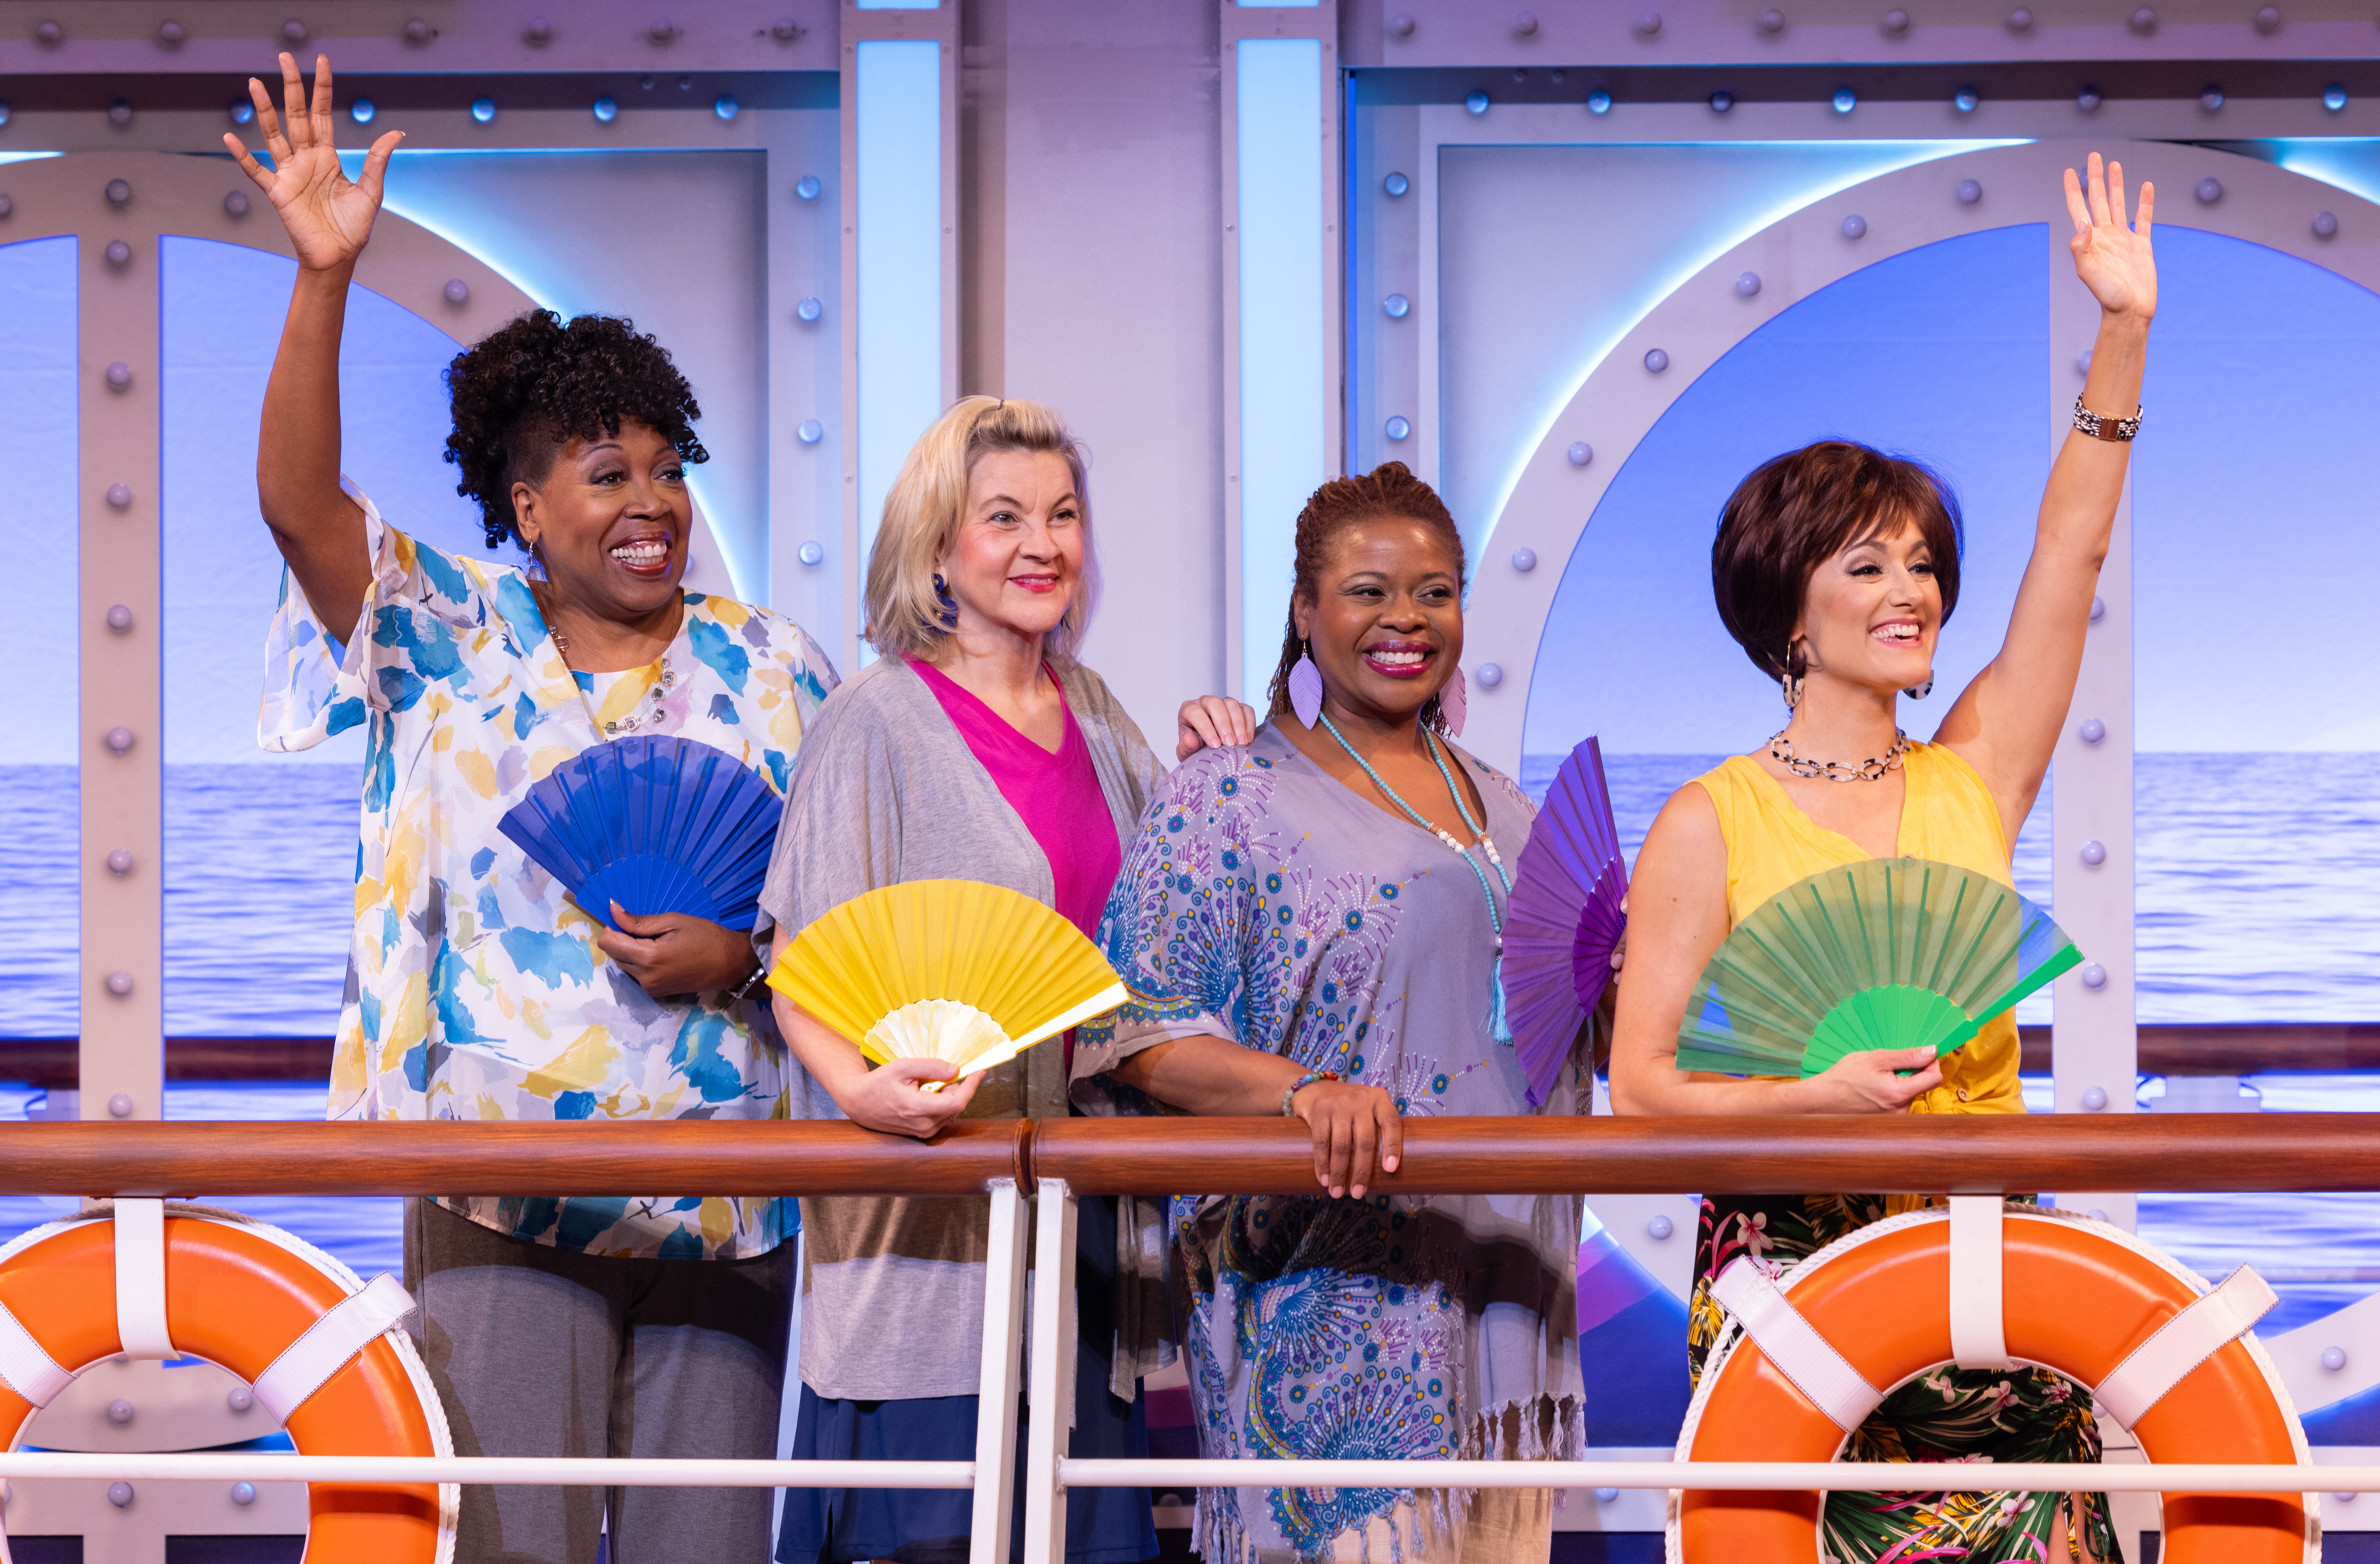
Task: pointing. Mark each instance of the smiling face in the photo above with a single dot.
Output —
(1871, 610)
(1016, 564)
(609, 522)
(1385, 623)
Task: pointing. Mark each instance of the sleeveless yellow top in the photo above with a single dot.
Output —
(1947, 815)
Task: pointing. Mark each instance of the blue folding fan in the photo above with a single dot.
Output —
(659, 825)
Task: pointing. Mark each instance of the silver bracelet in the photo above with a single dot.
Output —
(744, 988)
(2097, 428)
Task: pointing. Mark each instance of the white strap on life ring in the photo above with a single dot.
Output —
(344, 1329)
(1794, 1346)
(27, 1365)
(140, 1279)
(2192, 1336)
(1978, 1328)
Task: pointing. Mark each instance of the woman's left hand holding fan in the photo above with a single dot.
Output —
(673, 953)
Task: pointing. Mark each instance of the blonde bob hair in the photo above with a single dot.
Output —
(927, 502)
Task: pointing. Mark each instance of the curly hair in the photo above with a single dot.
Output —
(536, 382)
(1389, 489)
(1795, 511)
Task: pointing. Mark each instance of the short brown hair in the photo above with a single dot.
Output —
(1799, 510)
(1389, 489)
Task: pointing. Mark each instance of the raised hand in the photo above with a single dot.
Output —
(2112, 257)
(328, 215)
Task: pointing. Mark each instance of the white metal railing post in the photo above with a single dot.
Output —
(1052, 1399)
(1003, 1339)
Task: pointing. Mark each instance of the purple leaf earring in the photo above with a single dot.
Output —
(1305, 688)
(1454, 702)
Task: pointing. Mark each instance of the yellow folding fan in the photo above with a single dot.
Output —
(950, 969)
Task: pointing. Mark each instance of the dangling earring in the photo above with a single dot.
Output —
(1306, 687)
(950, 603)
(1453, 703)
(1790, 680)
(1919, 692)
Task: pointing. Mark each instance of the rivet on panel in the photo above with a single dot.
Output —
(1747, 285)
(1896, 22)
(119, 497)
(236, 203)
(119, 376)
(809, 432)
(808, 186)
(1400, 26)
(1845, 100)
(2334, 97)
(243, 1493)
(1659, 1227)
(1607, 1496)
(2020, 21)
(293, 32)
(2144, 21)
(808, 309)
(2325, 226)
(1722, 100)
(2209, 190)
(9, 205)
(1524, 560)
(2087, 100)
(1396, 184)
(119, 113)
(1656, 360)
(1648, 24)
(725, 106)
(119, 253)
(1490, 675)
(809, 553)
(119, 1493)
(2093, 1099)
(1598, 102)
(2334, 1358)
(2092, 731)
(2098, 609)
(118, 192)
(784, 29)
(607, 109)
(242, 111)
(119, 1410)
(456, 291)
(1397, 306)
(2094, 976)
(1398, 427)
(2212, 99)
(1964, 100)
(661, 30)
(119, 1106)
(1854, 227)
(1476, 102)
(49, 35)
(1969, 191)
(119, 984)
(1525, 24)
(2094, 852)
(1772, 21)
(118, 739)
(2268, 20)
(240, 1398)
(483, 109)
(120, 862)
(417, 32)
(1580, 453)
(361, 110)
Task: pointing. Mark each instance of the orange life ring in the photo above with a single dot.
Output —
(239, 1294)
(2079, 1296)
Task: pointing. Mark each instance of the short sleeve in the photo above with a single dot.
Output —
(840, 836)
(421, 606)
(1181, 929)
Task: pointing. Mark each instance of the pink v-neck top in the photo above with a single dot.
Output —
(1057, 797)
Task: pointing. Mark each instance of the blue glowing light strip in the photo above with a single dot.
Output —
(1284, 380)
(899, 273)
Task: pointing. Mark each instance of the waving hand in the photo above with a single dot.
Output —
(328, 215)
(2112, 257)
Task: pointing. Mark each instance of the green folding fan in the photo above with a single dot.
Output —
(1887, 953)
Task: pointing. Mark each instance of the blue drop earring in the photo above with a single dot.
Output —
(950, 603)
(1306, 687)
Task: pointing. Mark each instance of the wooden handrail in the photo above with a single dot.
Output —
(1981, 1153)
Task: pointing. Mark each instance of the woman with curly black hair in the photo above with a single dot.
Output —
(477, 988)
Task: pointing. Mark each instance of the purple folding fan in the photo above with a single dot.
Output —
(1564, 918)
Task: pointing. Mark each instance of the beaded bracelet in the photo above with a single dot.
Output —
(2102, 426)
(1310, 1078)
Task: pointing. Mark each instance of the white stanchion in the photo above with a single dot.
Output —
(1003, 1338)
(1047, 1425)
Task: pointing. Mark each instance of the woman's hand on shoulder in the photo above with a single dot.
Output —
(893, 1098)
(1213, 722)
(1866, 1082)
(1358, 1134)
(673, 953)
(329, 216)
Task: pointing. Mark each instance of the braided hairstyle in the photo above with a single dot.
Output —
(538, 382)
(1389, 489)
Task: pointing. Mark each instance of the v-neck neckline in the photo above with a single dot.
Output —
(1355, 796)
(1899, 825)
(578, 694)
(1065, 708)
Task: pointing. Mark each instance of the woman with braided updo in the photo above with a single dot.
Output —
(477, 988)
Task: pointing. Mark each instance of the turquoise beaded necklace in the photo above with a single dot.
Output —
(1497, 1027)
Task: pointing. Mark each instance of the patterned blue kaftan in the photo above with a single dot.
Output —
(1268, 903)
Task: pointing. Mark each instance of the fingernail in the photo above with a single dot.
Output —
(1388, 1164)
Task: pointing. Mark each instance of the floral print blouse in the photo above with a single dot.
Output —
(475, 988)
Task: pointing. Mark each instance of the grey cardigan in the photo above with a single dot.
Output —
(885, 790)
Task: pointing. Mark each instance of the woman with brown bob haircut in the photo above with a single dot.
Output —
(1836, 567)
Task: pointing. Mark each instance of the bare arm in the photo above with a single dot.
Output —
(319, 531)
(889, 1097)
(2006, 724)
(1677, 917)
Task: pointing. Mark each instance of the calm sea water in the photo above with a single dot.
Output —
(2254, 892)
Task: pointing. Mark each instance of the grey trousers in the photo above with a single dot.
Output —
(541, 1352)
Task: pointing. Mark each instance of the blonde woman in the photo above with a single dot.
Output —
(976, 747)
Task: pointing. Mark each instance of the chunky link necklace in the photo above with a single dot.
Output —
(1496, 1025)
(1836, 771)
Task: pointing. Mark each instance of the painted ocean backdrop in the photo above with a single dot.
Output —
(2254, 884)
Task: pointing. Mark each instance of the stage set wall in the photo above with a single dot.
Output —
(1243, 248)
